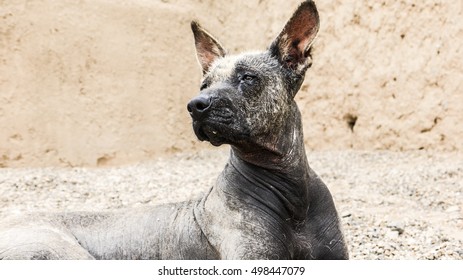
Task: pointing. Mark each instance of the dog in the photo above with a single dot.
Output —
(266, 204)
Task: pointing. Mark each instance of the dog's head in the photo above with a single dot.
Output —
(245, 99)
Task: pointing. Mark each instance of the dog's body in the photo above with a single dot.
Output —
(267, 203)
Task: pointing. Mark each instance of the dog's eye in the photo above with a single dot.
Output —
(248, 78)
(203, 86)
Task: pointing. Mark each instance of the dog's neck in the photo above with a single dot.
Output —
(279, 170)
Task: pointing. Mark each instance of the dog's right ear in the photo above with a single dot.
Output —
(208, 49)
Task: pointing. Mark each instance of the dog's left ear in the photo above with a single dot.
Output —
(208, 49)
(292, 46)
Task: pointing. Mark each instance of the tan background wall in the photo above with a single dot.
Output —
(87, 83)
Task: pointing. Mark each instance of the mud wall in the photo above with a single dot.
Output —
(94, 83)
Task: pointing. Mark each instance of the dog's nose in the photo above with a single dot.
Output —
(198, 106)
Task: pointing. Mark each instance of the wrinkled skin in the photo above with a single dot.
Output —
(266, 204)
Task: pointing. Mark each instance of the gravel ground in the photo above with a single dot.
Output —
(406, 205)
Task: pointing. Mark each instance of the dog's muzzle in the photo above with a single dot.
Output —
(198, 107)
(209, 122)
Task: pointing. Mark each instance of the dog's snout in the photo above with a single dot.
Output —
(198, 106)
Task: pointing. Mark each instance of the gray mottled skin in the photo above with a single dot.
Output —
(266, 204)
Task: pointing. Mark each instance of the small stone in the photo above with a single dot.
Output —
(397, 226)
(346, 215)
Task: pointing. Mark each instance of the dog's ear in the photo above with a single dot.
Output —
(292, 46)
(208, 49)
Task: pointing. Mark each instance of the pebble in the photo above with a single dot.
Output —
(397, 226)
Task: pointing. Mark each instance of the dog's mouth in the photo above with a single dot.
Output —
(218, 133)
(210, 132)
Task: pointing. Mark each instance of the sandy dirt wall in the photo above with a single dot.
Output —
(94, 83)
